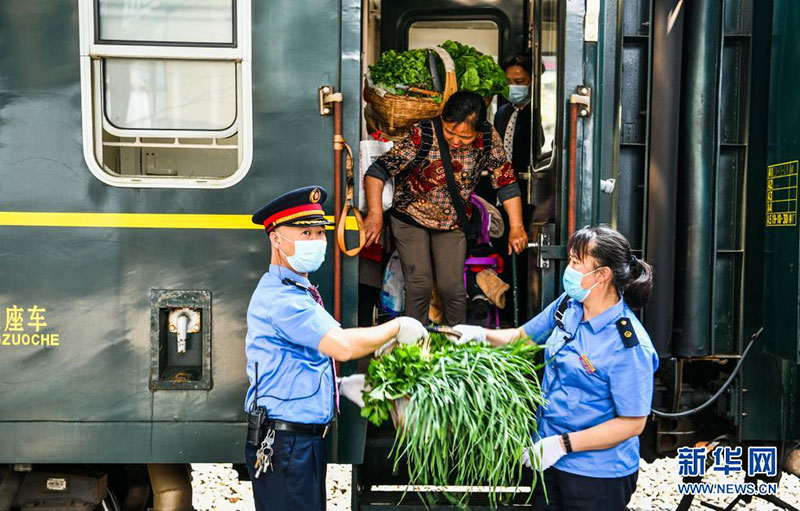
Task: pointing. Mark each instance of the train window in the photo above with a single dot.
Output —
(168, 21)
(548, 79)
(168, 104)
(482, 34)
(169, 94)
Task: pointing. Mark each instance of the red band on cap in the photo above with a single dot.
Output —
(289, 214)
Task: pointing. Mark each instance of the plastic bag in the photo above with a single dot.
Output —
(369, 150)
(393, 298)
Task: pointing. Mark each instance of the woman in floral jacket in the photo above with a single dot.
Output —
(424, 220)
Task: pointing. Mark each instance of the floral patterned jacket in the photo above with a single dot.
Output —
(421, 195)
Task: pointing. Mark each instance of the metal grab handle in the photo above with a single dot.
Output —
(547, 160)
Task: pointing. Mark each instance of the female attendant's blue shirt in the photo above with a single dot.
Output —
(284, 328)
(594, 378)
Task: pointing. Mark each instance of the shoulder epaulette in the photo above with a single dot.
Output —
(290, 282)
(625, 329)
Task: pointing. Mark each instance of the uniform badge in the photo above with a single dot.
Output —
(315, 196)
(587, 364)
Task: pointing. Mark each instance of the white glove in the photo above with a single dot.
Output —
(352, 387)
(544, 454)
(469, 333)
(410, 331)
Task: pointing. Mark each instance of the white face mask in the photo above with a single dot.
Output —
(308, 254)
(519, 94)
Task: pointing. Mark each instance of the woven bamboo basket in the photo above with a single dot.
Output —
(376, 124)
(397, 113)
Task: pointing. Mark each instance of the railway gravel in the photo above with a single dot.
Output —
(217, 488)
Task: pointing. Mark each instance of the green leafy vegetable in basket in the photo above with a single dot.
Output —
(471, 410)
(475, 71)
(405, 68)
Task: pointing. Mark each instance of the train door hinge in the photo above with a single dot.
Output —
(583, 98)
(327, 97)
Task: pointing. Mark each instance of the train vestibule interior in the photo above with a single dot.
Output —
(503, 29)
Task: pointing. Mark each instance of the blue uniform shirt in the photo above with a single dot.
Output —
(284, 328)
(609, 381)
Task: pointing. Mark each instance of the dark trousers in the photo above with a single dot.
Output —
(297, 479)
(416, 247)
(572, 492)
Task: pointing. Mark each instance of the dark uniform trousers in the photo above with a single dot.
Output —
(572, 492)
(297, 479)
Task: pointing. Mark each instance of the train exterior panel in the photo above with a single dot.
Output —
(77, 381)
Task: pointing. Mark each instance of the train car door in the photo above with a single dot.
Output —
(502, 29)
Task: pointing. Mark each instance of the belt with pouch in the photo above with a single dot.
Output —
(258, 424)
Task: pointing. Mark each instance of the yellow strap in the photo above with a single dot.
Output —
(346, 220)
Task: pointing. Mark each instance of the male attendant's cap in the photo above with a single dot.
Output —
(301, 207)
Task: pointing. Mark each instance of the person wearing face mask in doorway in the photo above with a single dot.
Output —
(291, 345)
(598, 379)
(513, 122)
(513, 119)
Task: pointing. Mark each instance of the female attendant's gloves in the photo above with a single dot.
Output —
(544, 454)
(352, 387)
(469, 333)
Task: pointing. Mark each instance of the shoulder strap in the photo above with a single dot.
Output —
(426, 141)
(558, 314)
(625, 329)
(452, 187)
(286, 281)
(487, 137)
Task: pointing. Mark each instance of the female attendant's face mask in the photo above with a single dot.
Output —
(572, 283)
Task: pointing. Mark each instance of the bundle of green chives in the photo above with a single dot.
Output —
(471, 410)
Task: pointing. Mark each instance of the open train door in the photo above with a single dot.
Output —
(503, 29)
(540, 185)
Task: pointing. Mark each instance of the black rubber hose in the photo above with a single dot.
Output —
(722, 389)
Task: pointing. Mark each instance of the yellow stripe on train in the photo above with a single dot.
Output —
(137, 220)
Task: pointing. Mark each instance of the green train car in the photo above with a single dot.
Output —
(137, 137)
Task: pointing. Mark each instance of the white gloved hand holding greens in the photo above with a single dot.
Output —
(544, 454)
(469, 333)
(410, 331)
